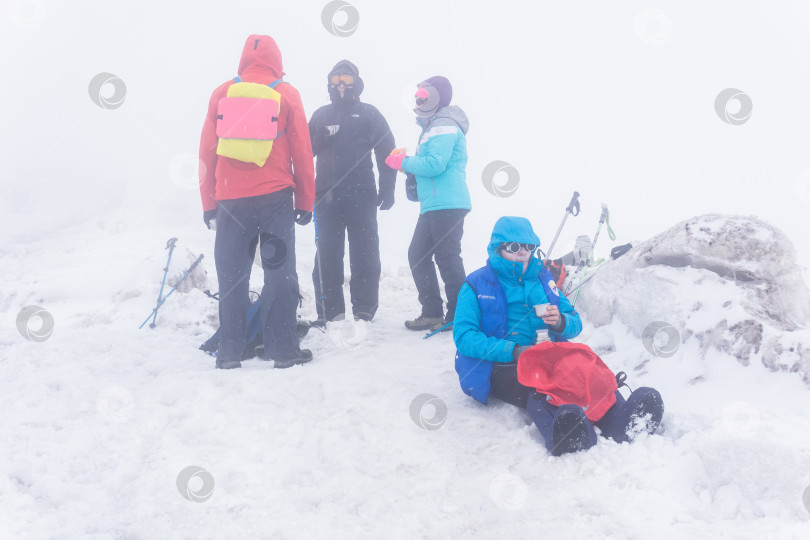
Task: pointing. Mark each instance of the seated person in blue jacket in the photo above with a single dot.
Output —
(495, 322)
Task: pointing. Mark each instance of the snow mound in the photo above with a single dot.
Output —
(731, 283)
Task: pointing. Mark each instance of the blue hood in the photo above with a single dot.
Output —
(510, 229)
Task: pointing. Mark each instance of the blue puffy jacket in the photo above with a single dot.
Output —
(441, 160)
(495, 312)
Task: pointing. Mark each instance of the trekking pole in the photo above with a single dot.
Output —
(581, 283)
(603, 218)
(318, 261)
(154, 311)
(429, 334)
(615, 253)
(574, 204)
(170, 246)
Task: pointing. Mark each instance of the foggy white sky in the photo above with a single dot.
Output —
(613, 100)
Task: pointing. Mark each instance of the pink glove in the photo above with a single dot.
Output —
(394, 159)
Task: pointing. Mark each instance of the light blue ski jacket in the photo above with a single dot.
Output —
(440, 162)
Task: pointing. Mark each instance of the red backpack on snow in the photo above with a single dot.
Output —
(569, 373)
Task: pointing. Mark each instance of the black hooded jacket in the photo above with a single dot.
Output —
(343, 164)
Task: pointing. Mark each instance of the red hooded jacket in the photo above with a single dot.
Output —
(290, 162)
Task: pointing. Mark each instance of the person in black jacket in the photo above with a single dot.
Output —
(343, 135)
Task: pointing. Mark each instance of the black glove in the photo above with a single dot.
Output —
(410, 187)
(322, 136)
(302, 217)
(385, 202)
(385, 199)
(518, 350)
(209, 216)
(319, 137)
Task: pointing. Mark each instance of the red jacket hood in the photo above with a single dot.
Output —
(261, 53)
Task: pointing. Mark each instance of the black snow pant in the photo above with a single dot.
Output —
(335, 215)
(438, 235)
(239, 223)
(505, 386)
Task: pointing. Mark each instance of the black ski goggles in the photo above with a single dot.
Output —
(514, 247)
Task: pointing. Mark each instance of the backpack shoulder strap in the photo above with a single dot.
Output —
(273, 84)
(553, 295)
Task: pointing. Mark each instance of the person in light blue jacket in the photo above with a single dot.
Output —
(496, 321)
(439, 169)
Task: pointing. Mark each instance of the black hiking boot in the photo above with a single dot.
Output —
(320, 322)
(301, 357)
(647, 411)
(302, 327)
(425, 323)
(444, 326)
(570, 434)
(228, 364)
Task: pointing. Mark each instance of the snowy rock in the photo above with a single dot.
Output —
(787, 353)
(729, 282)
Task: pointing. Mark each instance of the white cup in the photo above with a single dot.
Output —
(540, 309)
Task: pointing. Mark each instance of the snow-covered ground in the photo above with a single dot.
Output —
(101, 419)
(109, 431)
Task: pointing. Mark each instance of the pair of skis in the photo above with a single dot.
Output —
(162, 299)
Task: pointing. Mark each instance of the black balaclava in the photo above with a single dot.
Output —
(351, 94)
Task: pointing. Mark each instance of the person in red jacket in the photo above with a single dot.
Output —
(244, 201)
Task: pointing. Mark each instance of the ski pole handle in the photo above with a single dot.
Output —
(604, 215)
(214, 296)
(573, 204)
